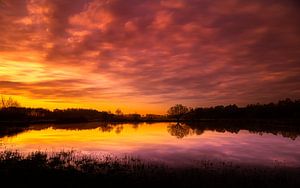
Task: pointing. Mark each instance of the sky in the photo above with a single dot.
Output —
(145, 56)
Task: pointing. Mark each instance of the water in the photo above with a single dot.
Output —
(169, 143)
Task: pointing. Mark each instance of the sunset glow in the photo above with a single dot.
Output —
(154, 142)
(144, 56)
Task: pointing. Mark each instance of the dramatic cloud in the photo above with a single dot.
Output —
(150, 53)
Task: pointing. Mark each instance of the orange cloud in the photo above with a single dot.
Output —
(149, 54)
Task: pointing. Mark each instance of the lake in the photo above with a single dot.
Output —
(169, 143)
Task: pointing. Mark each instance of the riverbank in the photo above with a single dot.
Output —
(66, 169)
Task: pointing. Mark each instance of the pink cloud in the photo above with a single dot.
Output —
(196, 53)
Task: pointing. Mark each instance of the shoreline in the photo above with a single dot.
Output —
(64, 168)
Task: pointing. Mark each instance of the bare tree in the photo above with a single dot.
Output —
(9, 102)
(119, 112)
(178, 111)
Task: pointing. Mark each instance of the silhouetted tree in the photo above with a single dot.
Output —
(178, 111)
(284, 109)
(10, 111)
(119, 112)
(9, 102)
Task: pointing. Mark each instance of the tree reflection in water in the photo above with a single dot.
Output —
(179, 130)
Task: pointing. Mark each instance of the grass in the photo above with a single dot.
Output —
(68, 169)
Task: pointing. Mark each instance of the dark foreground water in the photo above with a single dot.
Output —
(170, 143)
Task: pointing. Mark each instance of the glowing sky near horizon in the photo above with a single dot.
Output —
(143, 56)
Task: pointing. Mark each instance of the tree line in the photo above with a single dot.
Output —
(11, 110)
(283, 109)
